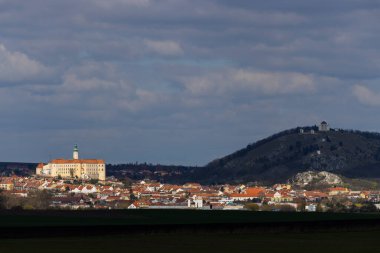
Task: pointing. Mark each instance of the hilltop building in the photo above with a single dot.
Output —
(73, 168)
(324, 127)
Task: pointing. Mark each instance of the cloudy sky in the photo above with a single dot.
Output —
(177, 81)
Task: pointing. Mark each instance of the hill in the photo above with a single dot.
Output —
(352, 154)
(17, 168)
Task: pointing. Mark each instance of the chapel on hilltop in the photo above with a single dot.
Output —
(324, 127)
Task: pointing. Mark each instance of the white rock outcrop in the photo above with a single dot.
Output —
(316, 177)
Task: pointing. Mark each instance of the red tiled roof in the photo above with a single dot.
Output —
(255, 191)
(341, 189)
(315, 194)
(76, 161)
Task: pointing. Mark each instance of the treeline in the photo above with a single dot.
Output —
(148, 166)
(257, 144)
(162, 173)
(367, 134)
(36, 200)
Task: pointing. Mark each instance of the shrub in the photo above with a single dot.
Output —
(285, 208)
(252, 207)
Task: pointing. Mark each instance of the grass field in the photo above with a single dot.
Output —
(151, 217)
(348, 242)
(357, 239)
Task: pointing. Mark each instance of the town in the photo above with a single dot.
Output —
(54, 193)
(82, 184)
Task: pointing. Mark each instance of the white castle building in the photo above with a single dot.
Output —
(324, 127)
(73, 168)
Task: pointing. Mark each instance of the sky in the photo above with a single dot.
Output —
(180, 81)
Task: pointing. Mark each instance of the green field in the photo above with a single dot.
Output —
(348, 242)
(355, 239)
(152, 217)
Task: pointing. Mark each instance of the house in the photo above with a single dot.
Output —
(19, 185)
(249, 193)
(33, 185)
(314, 196)
(20, 193)
(278, 187)
(6, 183)
(279, 196)
(86, 189)
(138, 204)
(196, 202)
(192, 185)
(153, 187)
(311, 208)
(233, 207)
(337, 191)
(112, 198)
(365, 194)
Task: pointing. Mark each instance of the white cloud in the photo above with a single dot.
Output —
(98, 87)
(16, 66)
(164, 47)
(365, 95)
(112, 3)
(243, 81)
(275, 82)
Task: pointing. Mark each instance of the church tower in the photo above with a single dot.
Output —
(76, 153)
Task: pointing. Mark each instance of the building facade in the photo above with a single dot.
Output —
(324, 127)
(73, 168)
(6, 184)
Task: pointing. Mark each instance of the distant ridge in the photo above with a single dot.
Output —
(350, 153)
(17, 168)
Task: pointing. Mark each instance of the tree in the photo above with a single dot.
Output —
(132, 197)
(286, 208)
(368, 207)
(320, 208)
(2, 201)
(71, 173)
(94, 181)
(266, 208)
(123, 204)
(252, 207)
(9, 201)
(39, 200)
(301, 205)
(127, 182)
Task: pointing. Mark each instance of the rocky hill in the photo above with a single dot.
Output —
(352, 154)
(315, 179)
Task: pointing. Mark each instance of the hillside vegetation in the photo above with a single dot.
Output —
(352, 154)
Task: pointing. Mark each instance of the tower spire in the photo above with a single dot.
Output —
(76, 152)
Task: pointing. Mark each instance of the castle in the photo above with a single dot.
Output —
(324, 127)
(73, 168)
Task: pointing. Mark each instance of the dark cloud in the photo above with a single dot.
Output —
(180, 81)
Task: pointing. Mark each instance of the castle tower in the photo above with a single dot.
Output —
(76, 153)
